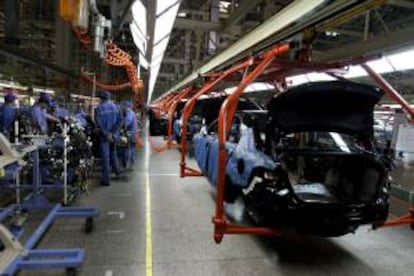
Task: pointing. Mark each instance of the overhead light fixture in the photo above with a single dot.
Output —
(41, 90)
(12, 85)
(332, 33)
(182, 14)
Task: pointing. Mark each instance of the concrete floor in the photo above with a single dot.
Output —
(182, 240)
(403, 176)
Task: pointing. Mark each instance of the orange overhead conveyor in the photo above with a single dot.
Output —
(169, 105)
(270, 66)
(266, 67)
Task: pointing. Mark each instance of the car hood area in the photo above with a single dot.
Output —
(332, 106)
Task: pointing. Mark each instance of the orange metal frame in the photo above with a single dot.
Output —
(170, 104)
(390, 91)
(280, 69)
(188, 108)
(227, 111)
(406, 219)
(394, 95)
(161, 106)
(221, 225)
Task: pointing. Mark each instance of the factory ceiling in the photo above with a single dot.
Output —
(201, 29)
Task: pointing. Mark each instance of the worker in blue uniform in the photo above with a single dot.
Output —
(123, 139)
(8, 115)
(108, 122)
(39, 113)
(58, 111)
(130, 124)
(81, 116)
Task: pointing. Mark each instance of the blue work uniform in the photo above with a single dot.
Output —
(108, 121)
(8, 113)
(81, 117)
(61, 113)
(131, 127)
(38, 115)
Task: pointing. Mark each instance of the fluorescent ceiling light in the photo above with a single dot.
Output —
(258, 86)
(355, 72)
(139, 14)
(159, 49)
(297, 80)
(138, 39)
(294, 12)
(182, 14)
(381, 66)
(402, 61)
(157, 61)
(138, 25)
(43, 90)
(12, 85)
(319, 77)
(83, 97)
(143, 61)
(230, 89)
(166, 13)
(153, 78)
(332, 33)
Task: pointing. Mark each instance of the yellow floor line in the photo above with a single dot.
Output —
(148, 227)
(148, 235)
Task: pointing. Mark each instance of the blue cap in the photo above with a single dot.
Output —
(44, 98)
(129, 104)
(126, 103)
(53, 103)
(105, 95)
(9, 97)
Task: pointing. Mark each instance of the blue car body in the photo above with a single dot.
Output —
(242, 151)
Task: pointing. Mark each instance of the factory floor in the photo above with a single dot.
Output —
(176, 224)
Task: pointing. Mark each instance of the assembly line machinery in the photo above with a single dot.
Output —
(16, 256)
(269, 66)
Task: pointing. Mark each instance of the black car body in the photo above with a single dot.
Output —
(312, 165)
(205, 112)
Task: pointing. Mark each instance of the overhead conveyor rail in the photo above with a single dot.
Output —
(170, 105)
(302, 18)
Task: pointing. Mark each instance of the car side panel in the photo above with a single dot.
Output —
(206, 154)
(201, 148)
(245, 158)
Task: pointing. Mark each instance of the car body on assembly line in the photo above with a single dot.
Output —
(205, 112)
(308, 163)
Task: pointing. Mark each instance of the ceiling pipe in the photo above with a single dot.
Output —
(292, 13)
(98, 25)
(292, 20)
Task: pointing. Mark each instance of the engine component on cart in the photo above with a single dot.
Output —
(79, 156)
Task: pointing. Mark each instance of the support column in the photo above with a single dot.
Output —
(187, 45)
(198, 49)
(63, 53)
(213, 37)
(11, 11)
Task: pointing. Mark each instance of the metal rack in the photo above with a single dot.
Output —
(26, 257)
